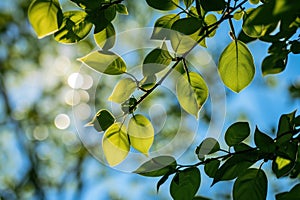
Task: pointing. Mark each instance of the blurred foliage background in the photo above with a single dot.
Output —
(41, 155)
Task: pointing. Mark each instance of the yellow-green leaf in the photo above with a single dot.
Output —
(105, 62)
(123, 90)
(236, 66)
(141, 133)
(45, 16)
(106, 38)
(115, 144)
(191, 95)
(74, 27)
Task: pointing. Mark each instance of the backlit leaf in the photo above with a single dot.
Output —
(236, 133)
(209, 20)
(211, 168)
(162, 26)
(156, 61)
(263, 141)
(141, 133)
(253, 184)
(105, 62)
(188, 3)
(105, 39)
(115, 144)
(193, 95)
(163, 4)
(236, 66)
(185, 184)
(122, 9)
(123, 90)
(74, 27)
(157, 166)
(45, 16)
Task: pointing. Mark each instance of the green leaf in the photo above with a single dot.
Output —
(115, 144)
(274, 64)
(211, 168)
(236, 133)
(148, 82)
(263, 141)
(161, 25)
(106, 38)
(200, 198)
(188, 3)
(122, 9)
(213, 5)
(185, 184)
(207, 146)
(209, 20)
(253, 184)
(45, 16)
(245, 38)
(241, 147)
(191, 95)
(286, 123)
(122, 91)
(141, 133)
(254, 1)
(235, 166)
(293, 194)
(74, 27)
(255, 30)
(156, 61)
(105, 62)
(157, 166)
(163, 4)
(236, 66)
(295, 47)
(238, 14)
(102, 120)
(129, 106)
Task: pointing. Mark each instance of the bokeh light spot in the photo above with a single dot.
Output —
(62, 121)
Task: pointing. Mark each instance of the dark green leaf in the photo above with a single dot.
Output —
(187, 26)
(207, 146)
(45, 16)
(236, 133)
(283, 164)
(295, 47)
(293, 194)
(105, 62)
(156, 61)
(211, 168)
(297, 121)
(235, 166)
(162, 26)
(161, 181)
(102, 120)
(236, 66)
(157, 166)
(74, 27)
(263, 141)
(241, 147)
(185, 184)
(274, 64)
(286, 123)
(245, 38)
(213, 5)
(122, 9)
(163, 4)
(253, 184)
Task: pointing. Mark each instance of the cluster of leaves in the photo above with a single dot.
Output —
(250, 183)
(188, 28)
